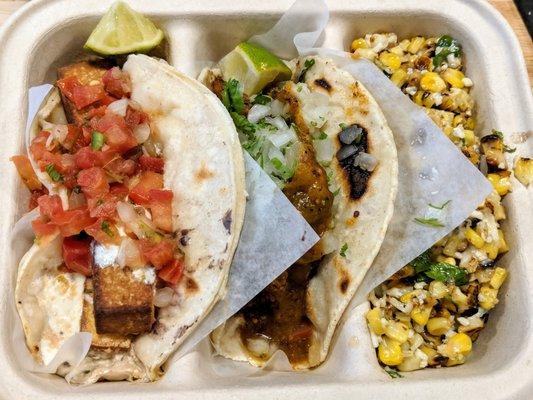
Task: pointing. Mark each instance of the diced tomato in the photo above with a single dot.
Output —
(104, 231)
(72, 136)
(172, 272)
(118, 190)
(155, 164)
(160, 204)
(42, 228)
(26, 172)
(80, 95)
(148, 180)
(77, 255)
(49, 206)
(87, 158)
(66, 85)
(38, 145)
(117, 82)
(135, 117)
(72, 222)
(103, 206)
(107, 100)
(158, 254)
(120, 168)
(35, 194)
(66, 164)
(93, 182)
(119, 137)
(97, 111)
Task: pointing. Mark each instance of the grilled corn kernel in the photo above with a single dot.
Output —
(366, 53)
(374, 321)
(498, 277)
(397, 50)
(397, 331)
(458, 344)
(432, 82)
(430, 352)
(417, 98)
(454, 77)
(472, 236)
(399, 77)
(491, 249)
(500, 183)
(450, 362)
(488, 297)
(448, 131)
(420, 314)
(470, 123)
(438, 289)
(447, 260)
(359, 44)
(409, 295)
(458, 120)
(404, 44)
(415, 44)
(502, 244)
(390, 352)
(438, 325)
(459, 298)
(390, 60)
(428, 101)
(523, 170)
(470, 137)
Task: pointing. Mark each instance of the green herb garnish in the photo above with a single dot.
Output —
(325, 163)
(343, 126)
(434, 222)
(392, 372)
(344, 248)
(53, 174)
(262, 99)
(447, 273)
(232, 96)
(242, 124)
(498, 133)
(284, 171)
(336, 192)
(441, 207)
(322, 135)
(446, 45)
(307, 65)
(508, 149)
(422, 262)
(106, 228)
(97, 140)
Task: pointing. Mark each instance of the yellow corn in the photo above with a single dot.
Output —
(500, 183)
(409, 295)
(399, 77)
(438, 289)
(420, 314)
(498, 277)
(447, 260)
(374, 321)
(404, 44)
(523, 170)
(453, 77)
(459, 344)
(458, 120)
(390, 60)
(359, 44)
(366, 53)
(428, 101)
(432, 82)
(397, 331)
(470, 137)
(438, 326)
(390, 352)
(488, 297)
(430, 352)
(457, 361)
(397, 50)
(448, 131)
(472, 236)
(417, 98)
(502, 244)
(470, 123)
(491, 249)
(415, 45)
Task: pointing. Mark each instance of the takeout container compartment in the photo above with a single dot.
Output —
(46, 34)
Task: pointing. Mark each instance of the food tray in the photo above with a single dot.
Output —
(45, 34)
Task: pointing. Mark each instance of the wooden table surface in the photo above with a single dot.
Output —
(506, 7)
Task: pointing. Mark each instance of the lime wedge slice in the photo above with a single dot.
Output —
(123, 30)
(254, 67)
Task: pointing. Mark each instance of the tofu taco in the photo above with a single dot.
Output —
(323, 138)
(138, 178)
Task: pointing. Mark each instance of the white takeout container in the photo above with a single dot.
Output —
(46, 34)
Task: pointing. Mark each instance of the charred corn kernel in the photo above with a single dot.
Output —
(502, 244)
(374, 321)
(438, 289)
(448, 131)
(428, 101)
(359, 44)
(415, 44)
(470, 137)
(472, 236)
(409, 295)
(523, 170)
(430, 352)
(438, 325)
(500, 183)
(498, 277)
(410, 363)
(459, 298)
(458, 344)
(390, 352)
(390, 60)
(417, 98)
(397, 331)
(491, 249)
(420, 314)
(458, 120)
(487, 297)
(457, 361)
(470, 123)
(454, 77)
(397, 50)
(432, 82)
(404, 44)
(399, 77)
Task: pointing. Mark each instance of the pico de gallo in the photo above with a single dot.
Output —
(110, 163)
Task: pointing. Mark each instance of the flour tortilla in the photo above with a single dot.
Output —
(205, 170)
(333, 94)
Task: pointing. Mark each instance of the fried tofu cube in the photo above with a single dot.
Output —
(123, 304)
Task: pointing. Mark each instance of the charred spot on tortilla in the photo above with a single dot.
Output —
(345, 282)
(226, 221)
(323, 83)
(191, 286)
(204, 173)
(356, 177)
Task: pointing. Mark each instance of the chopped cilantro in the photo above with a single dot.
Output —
(242, 124)
(446, 45)
(336, 192)
(392, 373)
(322, 135)
(343, 126)
(106, 228)
(441, 207)
(422, 262)
(434, 222)
(97, 140)
(307, 65)
(498, 133)
(262, 99)
(284, 171)
(344, 248)
(508, 149)
(53, 174)
(232, 96)
(447, 273)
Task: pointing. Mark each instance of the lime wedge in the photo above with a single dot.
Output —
(254, 67)
(123, 30)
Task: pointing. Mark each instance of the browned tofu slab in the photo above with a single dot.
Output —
(87, 72)
(122, 304)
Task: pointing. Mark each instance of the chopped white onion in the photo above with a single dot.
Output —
(57, 131)
(142, 132)
(119, 107)
(76, 200)
(129, 254)
(277, 108)
(258, 112)
(163, 297)
(365, 161)
(278, 122)
(325, 149)
(136, 223)
(282, 138)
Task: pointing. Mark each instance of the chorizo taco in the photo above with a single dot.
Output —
(139, 216)
(323, 138)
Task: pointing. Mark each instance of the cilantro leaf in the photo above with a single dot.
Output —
(284, 171)
(441, 207)
(392, 372)
(447, 273)
(434, 222)
(307, 66)
(262, 99)
(232, 96)
(446, 45)
(106, 228)
(422, 262)
(343, 250)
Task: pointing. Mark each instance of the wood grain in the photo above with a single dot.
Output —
(505, 7)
